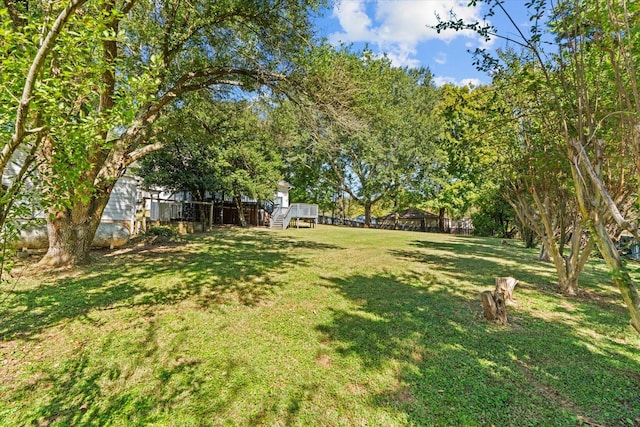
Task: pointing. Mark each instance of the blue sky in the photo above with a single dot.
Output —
(399, 28)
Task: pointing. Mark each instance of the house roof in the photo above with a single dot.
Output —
(285, 184)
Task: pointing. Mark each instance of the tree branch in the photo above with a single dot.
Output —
(30, 81)
(142, 152)
(581, 157)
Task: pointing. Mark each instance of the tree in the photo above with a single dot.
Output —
(216, 146)
(493, 215)
(590, 84)
(250, 162)
(537, 182)
(188, 160)
(28, 84)
(395, 150)
(303, 163)
(137, 59)
(599, 59)
(473, 155)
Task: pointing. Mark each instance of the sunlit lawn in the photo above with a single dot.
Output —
(314, 327)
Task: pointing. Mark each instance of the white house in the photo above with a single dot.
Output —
(116, 224)
(121, 208)
(117, 221)
(282, 194)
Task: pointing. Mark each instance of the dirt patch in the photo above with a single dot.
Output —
(357, 389)
(324, 360)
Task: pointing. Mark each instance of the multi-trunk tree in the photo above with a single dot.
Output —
(599, 109)
(536, 180)
(590, 86)
(130, 61)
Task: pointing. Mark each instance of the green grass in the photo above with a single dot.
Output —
(314, 327)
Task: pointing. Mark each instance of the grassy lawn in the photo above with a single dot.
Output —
(314, 327)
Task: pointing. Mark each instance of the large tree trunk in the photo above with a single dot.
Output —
(544, 254)
(528, 237)
(240, 206)
(71, 232)
(367, 215)
(568, 268)
(626, 285)
(578, 256)
(441, 221)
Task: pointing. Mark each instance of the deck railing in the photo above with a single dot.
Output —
(297, 211)
(304, 210)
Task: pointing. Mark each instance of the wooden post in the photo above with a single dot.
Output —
(143, 222)
(211, 215)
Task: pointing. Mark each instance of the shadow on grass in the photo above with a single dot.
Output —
(151, 379)
(475, 259)
(217, 268)
(454, 368)
(76, 392)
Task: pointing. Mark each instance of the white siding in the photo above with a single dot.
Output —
(282, 194)
(122, 203)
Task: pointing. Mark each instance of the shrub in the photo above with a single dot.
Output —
(162, 231)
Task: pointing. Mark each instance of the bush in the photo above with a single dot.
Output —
(161, 231)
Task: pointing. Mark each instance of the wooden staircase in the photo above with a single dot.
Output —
(281, 218)
(277, 221)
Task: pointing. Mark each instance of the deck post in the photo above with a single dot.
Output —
(211, 215)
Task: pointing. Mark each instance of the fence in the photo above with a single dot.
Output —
(462, 227)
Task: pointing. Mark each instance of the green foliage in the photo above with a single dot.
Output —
(215, 146)
(189, 158)
(384, 145)
(474, 157)
(117, 66)
(494, 216)
(303, 165)
(161, 231)
(571, 83)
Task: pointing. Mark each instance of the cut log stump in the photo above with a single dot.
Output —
(494, 304)
(489, 305)
(501, 307)
(506, 285)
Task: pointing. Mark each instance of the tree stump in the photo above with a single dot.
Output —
(494, 304)
(501, 308)
(489, 305)
(506, 285)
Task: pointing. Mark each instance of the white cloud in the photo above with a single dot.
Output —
(441, 80)
(470, 82)
(354, 21)
(403, 58)
(397, 27)
(441, 58)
